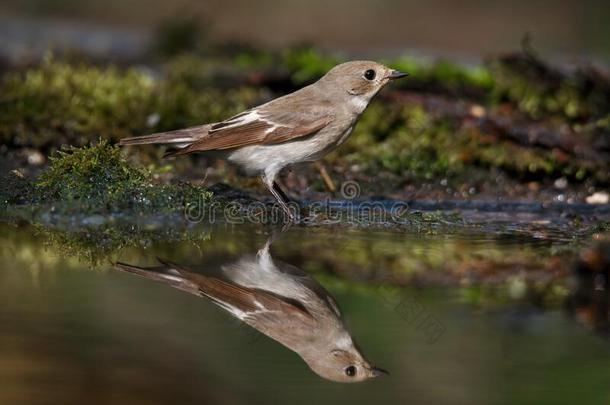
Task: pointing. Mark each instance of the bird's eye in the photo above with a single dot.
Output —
(369, 74)
(350, 371)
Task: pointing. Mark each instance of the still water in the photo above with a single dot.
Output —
(457, 318)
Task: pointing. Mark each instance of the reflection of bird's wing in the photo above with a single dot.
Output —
(262, 272)
(250, 304)
(308, 282)
(247, 304)
(249, 272)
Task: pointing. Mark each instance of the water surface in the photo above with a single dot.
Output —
(508, 329)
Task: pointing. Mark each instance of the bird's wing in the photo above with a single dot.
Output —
(268, 124)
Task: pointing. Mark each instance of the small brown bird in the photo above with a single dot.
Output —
(282, 302)
(299, 127)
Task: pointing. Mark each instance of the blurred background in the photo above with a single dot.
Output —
(466, 29)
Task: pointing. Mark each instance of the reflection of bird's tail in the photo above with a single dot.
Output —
(233, 298)
(163, 274)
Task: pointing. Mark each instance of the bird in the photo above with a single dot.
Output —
(299, 127)
(279, 300)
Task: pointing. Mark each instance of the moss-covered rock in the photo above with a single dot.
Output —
(97, 179)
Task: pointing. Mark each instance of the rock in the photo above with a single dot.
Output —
(478, 111)
(599, 197)
(34, 157)
(561, 183)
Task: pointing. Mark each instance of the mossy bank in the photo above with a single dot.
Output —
(97, 179)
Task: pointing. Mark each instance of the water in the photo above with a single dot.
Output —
(506, 328)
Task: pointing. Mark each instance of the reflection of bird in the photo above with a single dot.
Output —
(280, 301)
(300, 127)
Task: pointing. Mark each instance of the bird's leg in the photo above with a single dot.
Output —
(276, 233)
(279, 195)
(286, 201)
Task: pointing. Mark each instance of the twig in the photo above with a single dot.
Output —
(328, 182)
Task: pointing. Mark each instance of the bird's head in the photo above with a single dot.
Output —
(344, 365)
(359, 80)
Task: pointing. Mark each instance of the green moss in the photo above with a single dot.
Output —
(205, 74)
(257, 60)
(306, 64)
(540, 90)
(179, 108)
(444, 77)
(97, 179)
(102, 244)
(59, 103)
(402, 141)
(600, 227)
(409, 142)
(193, 93)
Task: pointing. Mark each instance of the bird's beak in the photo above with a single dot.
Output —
(397, 75)
(376, 372)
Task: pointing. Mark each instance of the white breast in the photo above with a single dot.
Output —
(270, 159)
(359, 103)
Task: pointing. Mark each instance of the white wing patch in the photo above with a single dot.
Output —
(271, 129)
(185, 139)
(244, 119)
(236, 312)
(251, 116)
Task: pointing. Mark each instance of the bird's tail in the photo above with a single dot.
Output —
(179, 138)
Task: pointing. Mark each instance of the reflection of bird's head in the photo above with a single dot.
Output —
(343, 365)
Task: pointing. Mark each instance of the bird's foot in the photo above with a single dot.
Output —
(291, 210)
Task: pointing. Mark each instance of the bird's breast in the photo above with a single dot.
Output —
(255, 159)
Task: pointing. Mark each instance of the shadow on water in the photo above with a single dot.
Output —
(463, 317)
